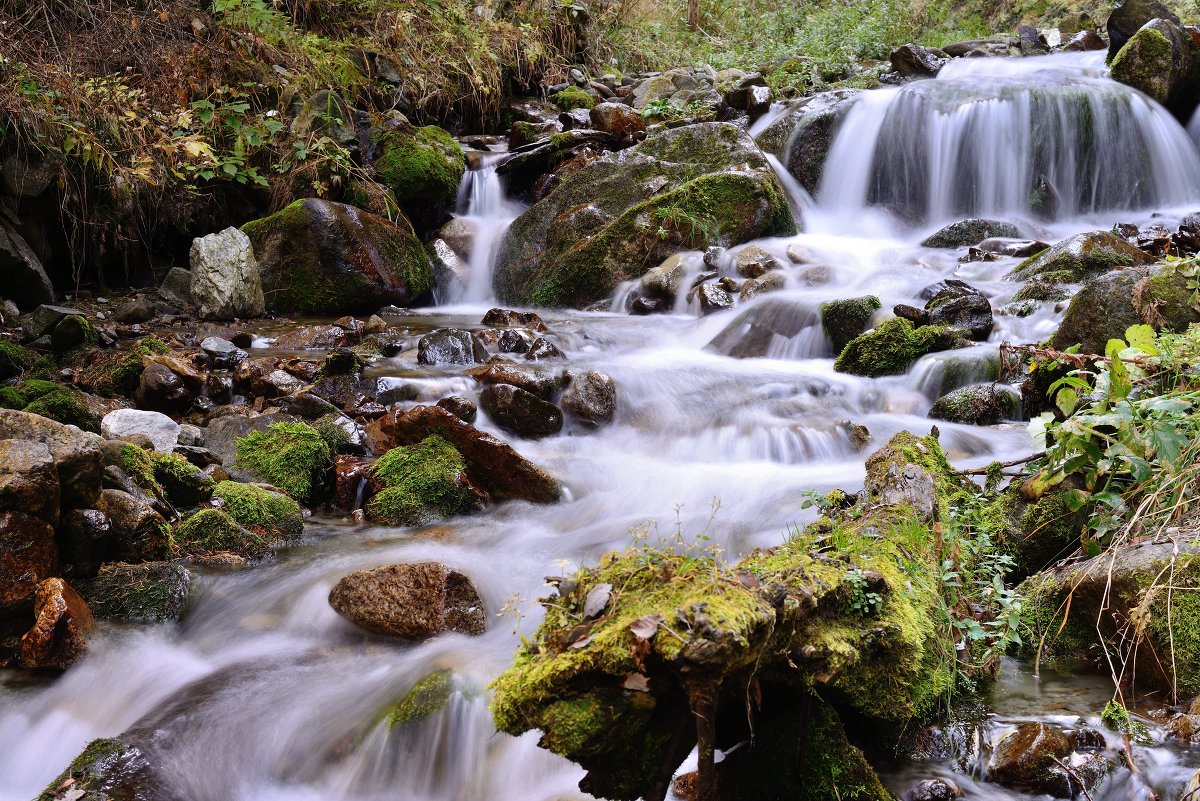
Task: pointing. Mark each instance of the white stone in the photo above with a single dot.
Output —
(226, 282)
(161, 430)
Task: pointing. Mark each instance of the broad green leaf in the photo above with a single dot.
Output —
(1142, 338)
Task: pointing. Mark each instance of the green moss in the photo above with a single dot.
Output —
(427, 696)
(420, 166)
(116, 373)
(89, 769)
(148, 593)
(271, 514)
(292, 456)
(891, 347)
(14, 359)
(166, 476)
(1145, 63)
(65, 406)
(138, 464)
(72, 332)
(843, 320)
(572, 98)
(13, 398)
(334, 435)
(418, 480)
(211, 532)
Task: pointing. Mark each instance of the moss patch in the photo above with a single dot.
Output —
(1145, 63)
(891, 347)
(843, 320)
(419, 481)
(146, 593)
(211, 533)
(166, 476)
(14, 359)
(422, 167)
(572, 98)
(270, 514)
(60, 404)
(427, 696)
(291, 456)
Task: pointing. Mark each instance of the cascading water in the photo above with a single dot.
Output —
(264, 693)
(485, 206)
(1050, 136)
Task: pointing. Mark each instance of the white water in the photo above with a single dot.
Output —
(483, 202)
(265, 694)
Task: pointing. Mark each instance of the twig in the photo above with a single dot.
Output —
(983, 471)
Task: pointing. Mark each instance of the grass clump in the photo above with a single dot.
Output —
(271, 514)
(420, 481)
(291, 456)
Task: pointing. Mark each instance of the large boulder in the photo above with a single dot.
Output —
(451, 346)
(62, 622)
(520, 412)
(1128, 17)
(226, 283)
(491, 464)
(26, 282)
(148, 593)
(970, 232)
(162, 431)
(1080, 257)
(320, 257)
(612, 219)
(801, 138)
(422, 167)
(413, 601)
(1105, 308)
(28, 479)
(77, 454)
(1162, 60)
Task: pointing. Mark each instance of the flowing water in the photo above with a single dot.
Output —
(264, 693)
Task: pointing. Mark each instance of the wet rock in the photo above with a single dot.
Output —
(666, 280)
(1084, 41)
(422, 166)
(507, 318)
(320, 257)
(461, 408)
(160, 389)
(1024, 757)
(712, 298)
(1080, 257)
(956, 303)
(934, 790)
(1128, 17)
(412, 601)
(1031, 42)
(617, 119)
(891, 347)
(542, 349)
(843, 320)
(491, 464)
(162, 431)
(450, 346)
(575, 245)
(915, 61)
(970, 232)
(109, 770)
(314, 337)
(520, 412)
(591, 398)
(510, 341)
(1162, 60)
(28, 555)
(77, 454)
(71, 332)
(224, 354)
(140, 532)
(980, 404)
(27, 284)
(771, 282)
(801, 138)
(222, 434)
(61, 625)
(86, 539)
(176, 287)
(1022, 248)
(544, 383)
(226, 283)
(753, 261)
(136, 311)
(29, 479)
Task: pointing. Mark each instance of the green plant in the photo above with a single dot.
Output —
(863, 600)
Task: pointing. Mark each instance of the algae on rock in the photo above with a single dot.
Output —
(292, 456)
(889, 348)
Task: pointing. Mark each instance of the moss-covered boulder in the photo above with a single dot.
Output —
(1140, 602)
(979, 405)
(970, 232)
(291, 456)
(14, 359)
(572, 98)
(64, 405)
(421, 482)
(1080, 257)
(212, 535)
(272, 515)
(843, 320)
(320, 257)
(801, 138)
(111, 769)
(164, 475)
(154, 592)
(1105, 308)
(616, 217)
(1162, 61)
(423, 167)
(664, 648)
(889, 348)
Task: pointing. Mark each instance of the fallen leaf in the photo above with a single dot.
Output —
(581, 642)
(637, 681)
(597, 600)
(646, 626)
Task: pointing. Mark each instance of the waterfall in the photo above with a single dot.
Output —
(1050, 136)
(483, 202)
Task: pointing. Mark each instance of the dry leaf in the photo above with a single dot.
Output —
(637, 681)
(581, 642)
(597, 600)
(646, 626)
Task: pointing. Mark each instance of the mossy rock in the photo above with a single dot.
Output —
(978, 405)
(72, 332)
(166, 476)
(801, 138)
(843, 320)
(291, 456)
(61, 404)
(572, 98)
(1080, 257)
(320, 257)
(212, 534)
(891, 347)
(153, 592)
(272, 515)
(422, 167)
(427, 696)
(1162, 61)
(14, 359)
(116, 373)
(111, 769)
(420, 482)
(610, 220)
(970, 232)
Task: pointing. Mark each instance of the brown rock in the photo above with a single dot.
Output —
(544, 383)
(28, 479)
(314, 337)
(77, 454)
(349, 474)
(507, 318)
(591, 398)
(413, 601)
(140, 533)
(491, 463)
(161, 390)
(27, 556)
(59, 634)
(618, 119)
(1025, 757)
(520, 412)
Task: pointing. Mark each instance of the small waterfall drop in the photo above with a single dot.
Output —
(482, 200)
(1050, 136)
